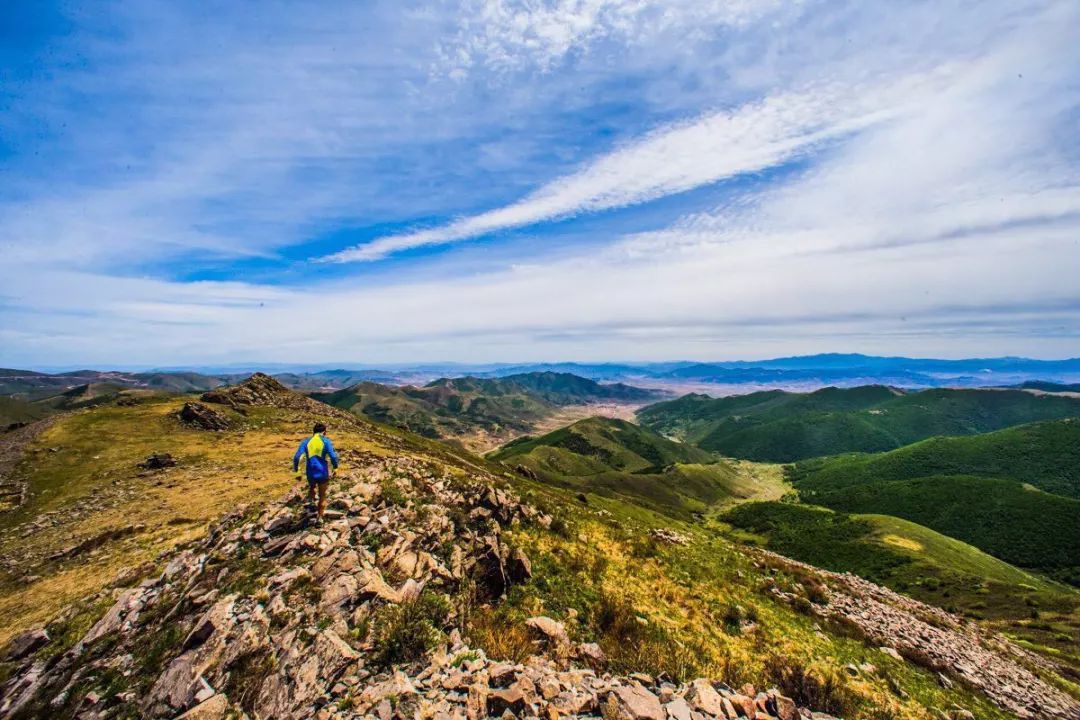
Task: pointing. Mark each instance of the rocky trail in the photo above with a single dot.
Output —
(272, 617)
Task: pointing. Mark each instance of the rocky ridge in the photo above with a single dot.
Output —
(272, 617)
(938, 640)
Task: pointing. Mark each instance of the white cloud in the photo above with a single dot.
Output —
(673, 159)
(505, 35)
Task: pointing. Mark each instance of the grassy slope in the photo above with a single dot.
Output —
(705, 606)
(925, 564)
(460, 407)
(1022, 526)
(606, 444)
(96, 457)
(618, 458)
(1045, 455)
(776, 426)
(443, 410)
(18, 411)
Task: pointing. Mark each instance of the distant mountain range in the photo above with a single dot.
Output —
(801, 372)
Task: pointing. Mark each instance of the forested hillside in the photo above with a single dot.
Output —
(778, 426)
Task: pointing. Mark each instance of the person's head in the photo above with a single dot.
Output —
(319, 428)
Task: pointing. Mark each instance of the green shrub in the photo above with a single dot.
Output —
(825, 691)
(406, 632)
(391, 493)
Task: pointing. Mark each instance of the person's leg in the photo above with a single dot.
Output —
(310, 494)
(323, 487)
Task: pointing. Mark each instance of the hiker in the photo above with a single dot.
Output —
(317, 449)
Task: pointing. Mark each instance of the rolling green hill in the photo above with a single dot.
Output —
(440, 410)
(551, 387)
(453, 407)
(919, 562)
(1045, 455)
(602, 444)
(777, 426)
(617, 458)
(1021, 525)
(84, 396)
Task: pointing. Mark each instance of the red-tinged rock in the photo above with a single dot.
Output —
(632, 702)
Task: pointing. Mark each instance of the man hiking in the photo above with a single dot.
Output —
(317, 449)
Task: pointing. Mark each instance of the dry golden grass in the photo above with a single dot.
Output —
(602, 575)
(216, 473)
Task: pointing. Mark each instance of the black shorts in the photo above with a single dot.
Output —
(312, 482)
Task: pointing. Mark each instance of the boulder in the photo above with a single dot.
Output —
(197, 415)
(552, 631)
(339, 591)
(703, 697)
(158, 461)
(26, 643)
(125, 609)
(744, 704)
(632, 702)
(476, 702)
(783, 707)
(518, 566)
(891, 652)
(669, 536)
(216, 708)
(678, 709)
(397, 685)
(372, 585)
(217, 619)
(592, 654)
(503, 699)
(365, 491)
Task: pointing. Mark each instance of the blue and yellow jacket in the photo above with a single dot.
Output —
(317, 448)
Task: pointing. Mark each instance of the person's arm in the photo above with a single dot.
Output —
(330, 451)
(299, 454)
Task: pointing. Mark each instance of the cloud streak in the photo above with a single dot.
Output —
(674, 159)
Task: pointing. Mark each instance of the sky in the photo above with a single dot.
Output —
(496, 181)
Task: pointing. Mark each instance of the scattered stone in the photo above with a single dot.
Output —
(891, 652)
(668, 536)
(551, 630)
(216, 708)
(518, 567)
(632, 702)
(703, 697)
(158, 461)
(300, 638)
(25, 644)
(197, 415)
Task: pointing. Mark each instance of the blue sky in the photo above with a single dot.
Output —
(485, 180)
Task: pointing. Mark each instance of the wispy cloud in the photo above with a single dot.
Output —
(674, 159)
(505, 35)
